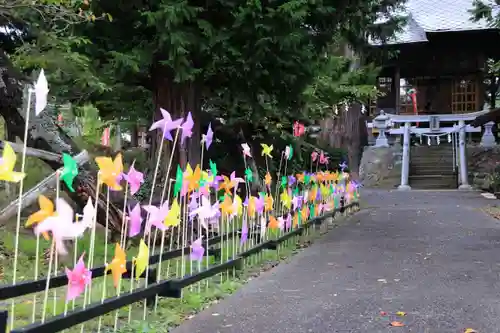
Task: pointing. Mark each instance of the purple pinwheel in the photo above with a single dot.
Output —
(209, 136)
(244, 231)
(259, 204)
(291, 180)
(197, 250)
(193, 204)
(134, 179)
(166, 124)
(297, 202)
(343, 166)
(318, 196)
(187, 128)
(135, 221)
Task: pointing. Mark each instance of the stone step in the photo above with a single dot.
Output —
(433, 182)
(431, 164)
(431, 171)
(431, 153)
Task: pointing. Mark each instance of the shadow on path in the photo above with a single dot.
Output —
(433, 255)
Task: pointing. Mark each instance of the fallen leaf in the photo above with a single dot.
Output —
(470, 330)
(215, 314)
(401, 313)
(397, 324)
(382, 280)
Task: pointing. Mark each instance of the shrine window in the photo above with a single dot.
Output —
(464, 96)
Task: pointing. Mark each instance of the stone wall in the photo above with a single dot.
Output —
(481, 164)
(381, 167)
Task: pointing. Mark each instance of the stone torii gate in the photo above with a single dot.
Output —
(385, 122)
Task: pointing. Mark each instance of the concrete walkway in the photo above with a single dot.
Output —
(433, 255)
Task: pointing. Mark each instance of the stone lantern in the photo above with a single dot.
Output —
(381, 123)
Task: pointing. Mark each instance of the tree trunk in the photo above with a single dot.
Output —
(44, 134)
(178, 99)
(345, 131)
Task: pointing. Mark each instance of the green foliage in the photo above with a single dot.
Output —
(335, 83)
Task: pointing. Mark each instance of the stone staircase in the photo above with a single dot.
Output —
(431, 167)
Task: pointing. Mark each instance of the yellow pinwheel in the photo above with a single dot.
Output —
(141, 262)
(266, 150)
(173, 216)
(46, 210)
(110, 171)
(237, 205)
(286, 200)
(7, 164)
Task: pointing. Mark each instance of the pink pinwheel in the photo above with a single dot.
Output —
(78, 279)
(281, 223)
(206, 212)
(88, 214)
(288, 221)
(166, 124)
(263, 227)
(314, 155)
(187, 127)
(62, 225)
(204, 190)
(156, 217)
(197, 250)
(246, 150)
(134, 179)
(208, 138)
(235, 180)
(135, 221)
(323, 159)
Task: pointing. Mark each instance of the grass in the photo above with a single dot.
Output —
(169, 312)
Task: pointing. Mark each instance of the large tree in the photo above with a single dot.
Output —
(247, 62)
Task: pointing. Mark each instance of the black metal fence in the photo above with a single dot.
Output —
(171, 288)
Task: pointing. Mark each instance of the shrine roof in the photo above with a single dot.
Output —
(427, 16)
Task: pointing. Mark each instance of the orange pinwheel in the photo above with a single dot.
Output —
(273, 223)
(46, 210)
(300, 177)
(226, 185)
(193, 179)
(268, 203)
(110, 170)
(226, 206)
(251, 206)
(313, 193)
(304, 213)
(296, 220)
(316, 210)
(268, 179)
(320, 176)
(117, 265)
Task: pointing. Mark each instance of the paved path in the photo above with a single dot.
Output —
(433, 255)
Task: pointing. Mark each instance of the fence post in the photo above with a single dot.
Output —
(3, 321)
